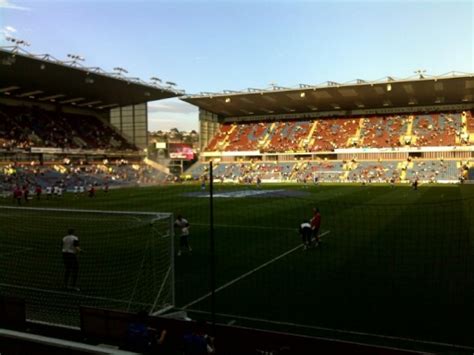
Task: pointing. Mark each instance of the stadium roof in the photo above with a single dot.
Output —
(389, 92)
(44, 78)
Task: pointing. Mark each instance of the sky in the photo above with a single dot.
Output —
(216, 45)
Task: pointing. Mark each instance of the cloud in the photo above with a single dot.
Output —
(171, 106)
(172, 113)
(7, 31)
(10, 29)
(7, 4)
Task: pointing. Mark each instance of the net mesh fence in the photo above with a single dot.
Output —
(125, 262)
(394, 264)
(403, 270)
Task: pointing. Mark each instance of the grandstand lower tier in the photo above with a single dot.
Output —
(74, 177)
(441, 170)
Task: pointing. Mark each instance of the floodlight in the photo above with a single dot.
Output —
(121, 71)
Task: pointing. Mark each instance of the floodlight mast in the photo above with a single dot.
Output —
(120, 71)
(75, 59)
(420, 73)
(155, 80)
(17, 43)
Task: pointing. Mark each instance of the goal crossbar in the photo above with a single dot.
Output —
(157, 215)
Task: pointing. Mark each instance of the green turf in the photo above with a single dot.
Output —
(396, 262)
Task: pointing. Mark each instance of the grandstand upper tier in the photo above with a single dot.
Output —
(417, 112)
(332, 134)
(61, 107)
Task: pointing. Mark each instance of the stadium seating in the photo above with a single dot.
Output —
(25, 127)
(434, 170)
(332, 171)
(320, 135)
(333, 134)
(378, 132)
(437, 130)
(119, 173)
(374, 171)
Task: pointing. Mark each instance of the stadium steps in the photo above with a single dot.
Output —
(226, 142)
(348, 168)
(296, 169)
(408, 136)
(309, 139)
(463, 130)
(356, 137)
(403, 172)
(267, 139)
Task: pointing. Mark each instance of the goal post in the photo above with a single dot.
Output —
(126, 262)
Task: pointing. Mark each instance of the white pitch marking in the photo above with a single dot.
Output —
(248, 273)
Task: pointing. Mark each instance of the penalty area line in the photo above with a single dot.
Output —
(237, 279)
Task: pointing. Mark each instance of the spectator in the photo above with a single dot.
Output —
(198, 342)
(142, 338)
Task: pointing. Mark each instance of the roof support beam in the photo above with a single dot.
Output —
(9, 88)
(51, 97)
(76, 99)
(30, 93)
(90, 103)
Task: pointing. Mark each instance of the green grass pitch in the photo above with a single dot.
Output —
(395, 261)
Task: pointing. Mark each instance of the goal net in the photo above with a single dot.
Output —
(126, 261)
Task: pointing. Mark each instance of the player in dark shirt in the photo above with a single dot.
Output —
(315, 225)
(18, 194)
(306, 233)
(38, 192)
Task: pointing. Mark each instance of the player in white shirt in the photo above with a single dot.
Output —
(49, 191)
(60, 191)
(55, 190)
(81, 189)
(70, 249)
(184, 237)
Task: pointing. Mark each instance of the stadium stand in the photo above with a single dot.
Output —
(320, 135)
(434, 170)
(26, 127)
(333, 171)
(83, 173)
(428, 147)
